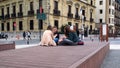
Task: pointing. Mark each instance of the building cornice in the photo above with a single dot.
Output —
(86, 3)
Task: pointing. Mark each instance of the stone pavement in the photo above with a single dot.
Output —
(112, 59)
(47, 57)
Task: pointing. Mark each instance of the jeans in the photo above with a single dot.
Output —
(66, 42)
(56, 40)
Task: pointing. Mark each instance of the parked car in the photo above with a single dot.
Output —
(3, 35)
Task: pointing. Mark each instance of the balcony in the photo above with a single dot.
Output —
(20, 14)
(13, 15)
(1, 17)
(56, 12)
(31, 13)
(7, 16)
(77, 17)
(91, 20)
(70, 15)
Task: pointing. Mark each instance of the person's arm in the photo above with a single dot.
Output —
(52, 35)
(55, 35)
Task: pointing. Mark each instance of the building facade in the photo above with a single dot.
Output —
(111, 22)
(102, 15)
(21, 15)
(117, 16)
(18, 15)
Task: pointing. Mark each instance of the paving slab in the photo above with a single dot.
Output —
(47, 57)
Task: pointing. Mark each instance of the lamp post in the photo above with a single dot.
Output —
(40, 11)
(14, 28)
(40, 16)
(82, 19)
(91, 10)
(48, 13)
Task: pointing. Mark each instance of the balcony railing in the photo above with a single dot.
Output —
(13, 15)
(7, 16)
(2, 17)
(20, 14)
(31, 13)
(91, 20)
(56, 12)
(70, 15)
(77, 17)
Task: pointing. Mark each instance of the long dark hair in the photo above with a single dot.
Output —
(66, 30)
(49, 27)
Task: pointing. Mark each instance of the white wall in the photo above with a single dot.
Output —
(98, 7)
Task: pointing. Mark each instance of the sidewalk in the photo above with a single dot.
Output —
(112, 59)
(25, 46)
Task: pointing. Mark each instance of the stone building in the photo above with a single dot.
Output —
(117, 16)
(21, 15)
(102, 12)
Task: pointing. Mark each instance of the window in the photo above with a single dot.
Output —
(91, 2)
(14, 26)
(31, 25)
(56, 23)
(8, 26)
(109, 2)
(69, 23)
(8, 10)
(113, 3)
(91, 12)
(100, 20)
(20, 7)
(112, 12)
(83, 12)
(76, 11)
(55, 5)
(2, 10)
(101, 2)
(2, 26)
(101, 11)
(112, 20)
(76, 24)
(20, 25)
(109, 11)
(14, 9)
(90, 27)
(69, 9)
(31, 5)
(109, 20)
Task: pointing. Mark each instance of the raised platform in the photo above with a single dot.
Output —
(7, 45)
(88, 56)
